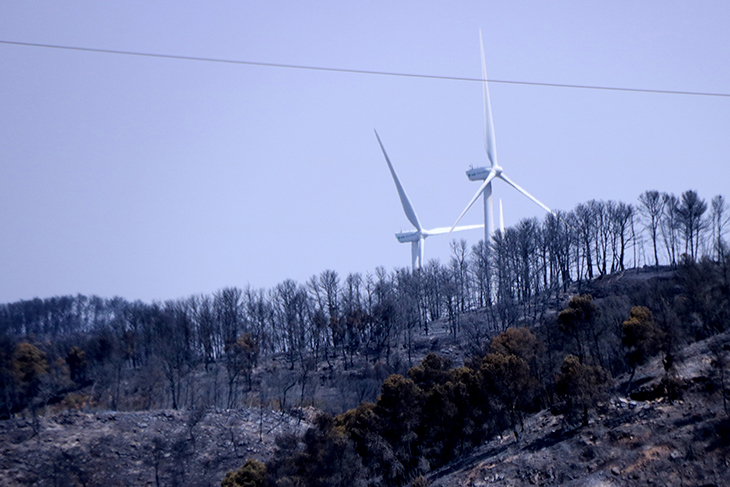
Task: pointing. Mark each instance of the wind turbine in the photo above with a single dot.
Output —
(418, 237)
(494, 171)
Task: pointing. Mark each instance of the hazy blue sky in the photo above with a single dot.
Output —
(156, 178)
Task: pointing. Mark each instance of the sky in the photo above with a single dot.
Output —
(156, 179)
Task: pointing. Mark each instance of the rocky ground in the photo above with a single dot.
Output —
(630, 442)
(193, 448)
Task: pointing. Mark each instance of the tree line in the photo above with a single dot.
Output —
(435, 412)
(203, 349)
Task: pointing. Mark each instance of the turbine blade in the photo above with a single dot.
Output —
(492, 173)
(441, 230)
(490, 142)
(507, 180)
(407, 207)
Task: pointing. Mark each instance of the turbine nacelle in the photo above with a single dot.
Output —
(481, 173)
(405, 237)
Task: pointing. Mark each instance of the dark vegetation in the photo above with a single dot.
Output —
(541, 319)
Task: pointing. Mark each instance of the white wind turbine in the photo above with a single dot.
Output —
(418, 237)
(494, 171)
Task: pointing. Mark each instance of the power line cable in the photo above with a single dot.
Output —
(360, 71)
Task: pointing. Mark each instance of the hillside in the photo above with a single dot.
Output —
(629, 442)
(652, 442)
(192, 448)
(482, 399)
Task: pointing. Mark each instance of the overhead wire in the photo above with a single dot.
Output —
(360, 71)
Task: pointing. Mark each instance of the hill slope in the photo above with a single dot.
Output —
(194, 448)
(630, 442)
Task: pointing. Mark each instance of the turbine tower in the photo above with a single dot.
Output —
(494, 170)
(417, 238)
(501, 217)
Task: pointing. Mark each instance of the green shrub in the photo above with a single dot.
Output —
(251, 474)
